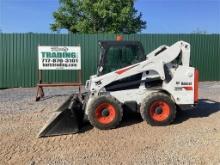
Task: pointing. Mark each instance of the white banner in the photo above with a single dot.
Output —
(59, 57)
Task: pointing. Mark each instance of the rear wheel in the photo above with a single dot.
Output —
(158, 109)
(105, 113)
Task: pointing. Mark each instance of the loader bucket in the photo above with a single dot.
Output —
(65, 120)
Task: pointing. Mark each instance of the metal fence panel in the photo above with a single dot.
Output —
(18, 54)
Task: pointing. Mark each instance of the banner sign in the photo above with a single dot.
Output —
(59, 57)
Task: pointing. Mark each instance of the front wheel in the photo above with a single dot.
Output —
(105, 112)
(158, 109)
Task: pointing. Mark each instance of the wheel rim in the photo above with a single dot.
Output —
(105, 113)
(159, 110)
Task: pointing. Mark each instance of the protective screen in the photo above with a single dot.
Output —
(120, 57)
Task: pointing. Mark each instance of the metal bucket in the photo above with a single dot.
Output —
(67, 119)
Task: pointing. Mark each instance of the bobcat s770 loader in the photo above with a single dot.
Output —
(155, 85)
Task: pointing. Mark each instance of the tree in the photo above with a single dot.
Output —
(91, 16)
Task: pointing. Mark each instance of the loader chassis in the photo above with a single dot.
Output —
(155, 84)
(165, 69)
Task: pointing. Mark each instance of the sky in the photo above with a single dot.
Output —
(162, 16)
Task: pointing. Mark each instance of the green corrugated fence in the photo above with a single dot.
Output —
(18, 54)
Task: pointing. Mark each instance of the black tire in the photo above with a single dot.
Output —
(113, 110)
(158, 109)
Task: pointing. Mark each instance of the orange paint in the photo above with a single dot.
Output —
(120, 71)
(196, 85)
(111, 113)
(165, 110)
(188, 88)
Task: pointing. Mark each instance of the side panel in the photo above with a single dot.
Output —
(181, 87)
(131, 95)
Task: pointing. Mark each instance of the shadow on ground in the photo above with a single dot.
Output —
(129, 118)
(205, 108)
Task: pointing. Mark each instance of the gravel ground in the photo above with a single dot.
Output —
(194, 138)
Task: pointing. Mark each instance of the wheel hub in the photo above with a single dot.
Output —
(158, 110)
(105, 112)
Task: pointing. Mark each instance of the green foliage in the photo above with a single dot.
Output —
(92, 16)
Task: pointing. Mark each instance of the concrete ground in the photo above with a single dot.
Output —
(194, 138)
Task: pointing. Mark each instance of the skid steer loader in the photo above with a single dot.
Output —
(155, 85)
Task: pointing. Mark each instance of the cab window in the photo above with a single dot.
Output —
(120, 57)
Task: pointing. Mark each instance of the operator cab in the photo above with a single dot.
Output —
(119, 54)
